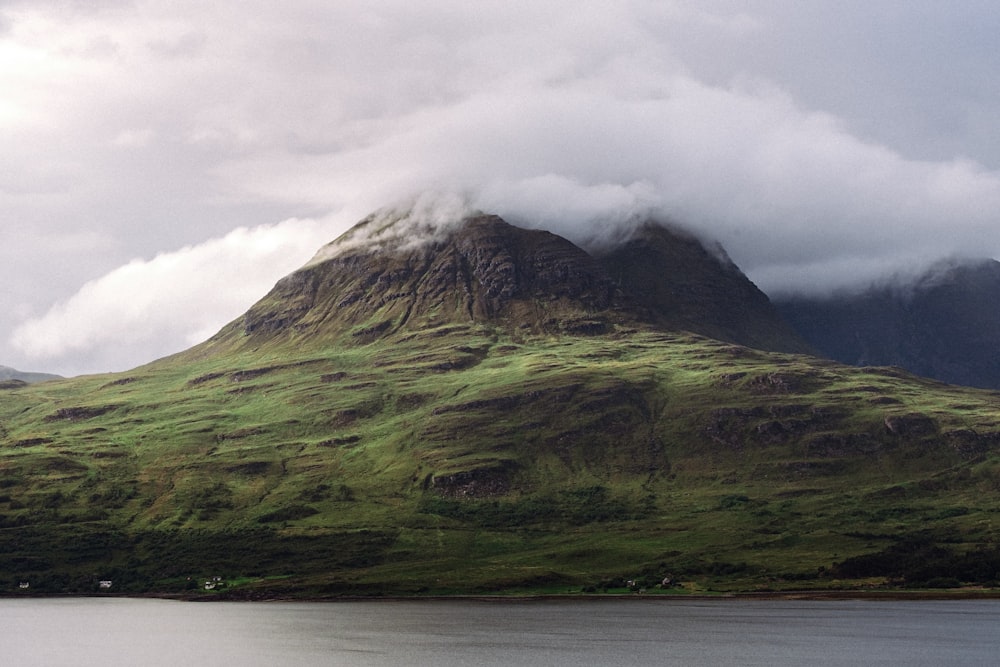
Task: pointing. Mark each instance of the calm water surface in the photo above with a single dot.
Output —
(108, 631)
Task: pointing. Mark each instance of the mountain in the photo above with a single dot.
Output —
(684, 285)
(943, 325)
(470, 407)
(525, 281)
(484, 271)
(8, 374)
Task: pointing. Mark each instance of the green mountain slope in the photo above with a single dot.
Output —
(525, 427)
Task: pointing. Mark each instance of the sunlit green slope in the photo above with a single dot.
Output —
(516, 450)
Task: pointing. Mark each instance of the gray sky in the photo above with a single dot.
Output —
(163, 164)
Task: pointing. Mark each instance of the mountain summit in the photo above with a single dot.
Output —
(684, 285)
(390, 273)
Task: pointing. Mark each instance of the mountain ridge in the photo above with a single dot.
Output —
(482, 269)
(673, 275)
(8, 374)
(944, 323)
(495, 412)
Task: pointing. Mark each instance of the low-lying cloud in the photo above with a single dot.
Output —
(151, 308)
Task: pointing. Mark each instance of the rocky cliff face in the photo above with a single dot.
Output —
(481, 270)
(681, 284)
(945, 325)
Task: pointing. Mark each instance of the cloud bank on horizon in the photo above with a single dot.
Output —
(823, 146)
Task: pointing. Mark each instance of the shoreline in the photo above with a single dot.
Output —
(894, 595)
(805, 595)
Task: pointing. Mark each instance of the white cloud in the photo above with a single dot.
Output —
(790, 132)
(133, 138)
(149, 308)
(788, 191)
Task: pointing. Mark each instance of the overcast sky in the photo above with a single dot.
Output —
(163, 164)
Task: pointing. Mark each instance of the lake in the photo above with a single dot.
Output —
(112, 631)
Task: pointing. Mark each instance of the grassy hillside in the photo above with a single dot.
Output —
(477, 459)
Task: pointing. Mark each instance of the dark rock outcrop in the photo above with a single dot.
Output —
(476, 483)
(910, 425)
(483, 271)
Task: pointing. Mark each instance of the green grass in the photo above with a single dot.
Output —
(467, 460)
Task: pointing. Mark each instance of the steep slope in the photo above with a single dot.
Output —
(483, 270)
(398, 276)
(468, 460)
(522, 423)
(945, 325)
(684, 286)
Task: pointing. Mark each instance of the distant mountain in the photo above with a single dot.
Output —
(8, 374)
(943, 325)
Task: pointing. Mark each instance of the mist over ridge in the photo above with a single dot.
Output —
(140, 137)
(608, 218)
